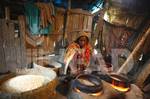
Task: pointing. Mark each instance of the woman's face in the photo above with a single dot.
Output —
(83, 41)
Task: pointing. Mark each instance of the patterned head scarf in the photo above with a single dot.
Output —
(82, 33)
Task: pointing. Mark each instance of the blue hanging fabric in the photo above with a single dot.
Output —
(46, 30)
(32, 13)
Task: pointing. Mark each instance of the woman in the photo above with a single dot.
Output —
(77, 56)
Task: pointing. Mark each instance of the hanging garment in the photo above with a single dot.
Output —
(46, 14)
(32, 13)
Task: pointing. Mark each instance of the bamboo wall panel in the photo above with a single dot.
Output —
(20, 60)
(12, 47)
(9, 49)
(2, 55)
(78, 20)
(48, 42)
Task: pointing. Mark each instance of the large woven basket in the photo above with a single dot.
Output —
(47, 91)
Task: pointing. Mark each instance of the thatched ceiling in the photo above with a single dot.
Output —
(135, 6)
(17, 6)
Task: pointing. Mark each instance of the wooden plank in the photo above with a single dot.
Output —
(80, 11)
(90, 21)
(17, 46)
(12, 48)
(85, 24)
(22, 41)
(80, 22)
(2, 58)
(9, 49)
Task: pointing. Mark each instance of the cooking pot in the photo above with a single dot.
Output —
(120, 82)
(87, 83)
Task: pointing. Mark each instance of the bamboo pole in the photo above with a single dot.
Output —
(66, 18)
(125, 68)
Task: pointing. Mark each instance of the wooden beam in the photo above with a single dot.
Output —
(7, 13)
(22, 42)
(66, 18)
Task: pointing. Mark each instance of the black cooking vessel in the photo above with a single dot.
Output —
(97, 84)
(115, 79)
(120, 81)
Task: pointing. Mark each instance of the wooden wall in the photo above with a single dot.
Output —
(20, 51)
(118, 37)
(40, 45)
(12, 49)
(78, 20)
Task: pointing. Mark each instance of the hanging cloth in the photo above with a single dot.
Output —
(32, 13)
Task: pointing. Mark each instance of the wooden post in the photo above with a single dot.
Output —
(66, 18)
(22, 41)
(3, 68)
(69, 4)
(7, 13)
(135, 54)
